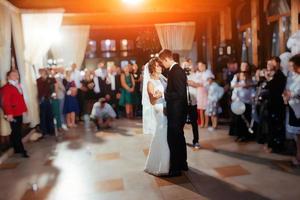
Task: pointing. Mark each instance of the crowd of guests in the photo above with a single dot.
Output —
(268, 98)
(271, 100)
(67, 96)
(272, 103)
(70, 95)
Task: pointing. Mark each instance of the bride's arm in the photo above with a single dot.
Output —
(153, 95)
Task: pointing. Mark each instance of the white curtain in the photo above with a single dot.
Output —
(40, 31)
(5, 55)
(33, 35)
(178, 37)
(72, 45)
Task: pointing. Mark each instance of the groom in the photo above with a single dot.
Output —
(176, 98)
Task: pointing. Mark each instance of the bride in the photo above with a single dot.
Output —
(158, 161)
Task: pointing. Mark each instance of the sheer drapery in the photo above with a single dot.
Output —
(40, 31)
(5, 55)
(26, 72)
(72, 45)
(178, 37)
(33, 35)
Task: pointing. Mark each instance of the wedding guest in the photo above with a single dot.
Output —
(192, 105)
(292, 97)
(215, 93)
(261, 101)
(243, 90)
(60, 92)
(100, 79)
(103, 114)
(276, 108)
(113, 86)
(119, 109)
(228, 74)
(45, 86)
(87, 89)
(202, 92)
(71, 106)
(76, 76)
(137, 79)
(55, 103)
(13, 105)
(127, 93)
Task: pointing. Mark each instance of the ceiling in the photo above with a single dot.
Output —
(116, 12)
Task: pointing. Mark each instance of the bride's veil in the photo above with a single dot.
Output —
(149, 122)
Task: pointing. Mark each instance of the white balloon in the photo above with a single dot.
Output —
(238, 107)
(285, 57)
(293, 43)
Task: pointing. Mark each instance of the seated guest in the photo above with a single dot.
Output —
(292, 98)
(103, 114)
(45, 86)
(13, 105)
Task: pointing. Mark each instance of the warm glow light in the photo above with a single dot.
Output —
(107, 43)
(132, 1)
(124, 42)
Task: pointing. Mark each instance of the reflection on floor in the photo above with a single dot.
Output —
(85, 164)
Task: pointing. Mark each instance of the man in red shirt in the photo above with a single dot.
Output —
(13, 105)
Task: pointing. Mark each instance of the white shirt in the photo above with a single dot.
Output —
(193, 91)
(99, 73)
(76, 77)
(105, 112)
(111, 79)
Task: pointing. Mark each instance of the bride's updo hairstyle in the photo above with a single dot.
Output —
(152, 64)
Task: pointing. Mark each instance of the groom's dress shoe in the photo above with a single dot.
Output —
(185, 167)
(174, 173)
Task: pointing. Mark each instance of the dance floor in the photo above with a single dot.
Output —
(108, 165)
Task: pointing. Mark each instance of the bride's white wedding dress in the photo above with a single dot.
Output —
(158, 161)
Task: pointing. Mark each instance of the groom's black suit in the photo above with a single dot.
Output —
(176, 97)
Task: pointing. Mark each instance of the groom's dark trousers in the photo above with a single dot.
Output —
(176, 97)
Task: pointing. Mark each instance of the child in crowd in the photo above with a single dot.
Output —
(215, 93)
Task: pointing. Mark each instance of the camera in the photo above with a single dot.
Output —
(187, 67)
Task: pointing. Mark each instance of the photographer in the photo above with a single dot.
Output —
(192, 101)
